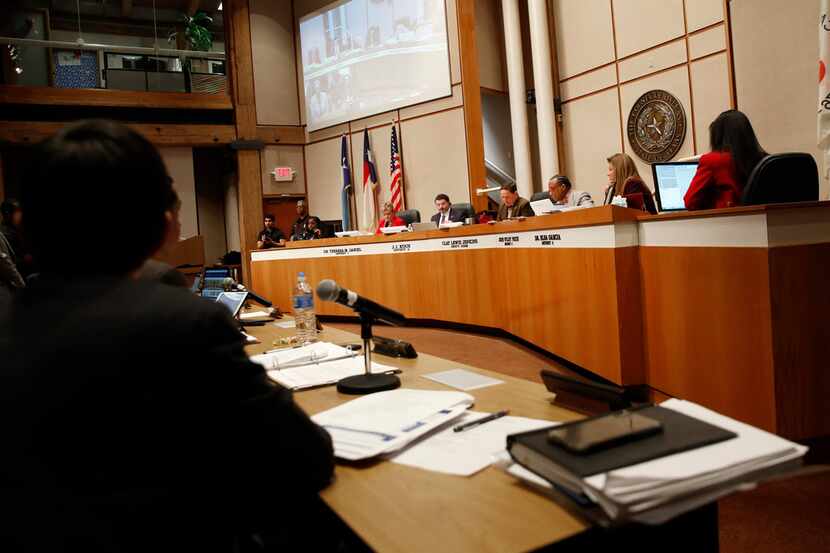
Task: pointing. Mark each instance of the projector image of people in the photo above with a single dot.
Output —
(370, 56)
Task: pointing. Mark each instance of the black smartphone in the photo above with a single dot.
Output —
(605, 431)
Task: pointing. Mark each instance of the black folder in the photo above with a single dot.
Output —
(680, 433)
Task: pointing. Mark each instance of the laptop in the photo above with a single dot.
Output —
(671, 181)
(428, 225)
(214, 282)
(233, 301)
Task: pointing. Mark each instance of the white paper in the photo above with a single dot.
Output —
(394, 230)
(465, 453)
(462, 379)
(250, 339)
(253, 315)
(545, 206)
(387, 421)
(451, 224)
(324, 372)
(286, 324)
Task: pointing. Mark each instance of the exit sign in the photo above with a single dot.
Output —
(283, 174)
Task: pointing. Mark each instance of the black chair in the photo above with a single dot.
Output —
(782, 178)
(540, 196)
(466, 208)
(410, 216)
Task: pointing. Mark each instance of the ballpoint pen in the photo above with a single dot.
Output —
(473, 424)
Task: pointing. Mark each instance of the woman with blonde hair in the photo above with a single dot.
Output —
(624, 180)
(389, 218)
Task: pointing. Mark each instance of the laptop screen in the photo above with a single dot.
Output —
(232, 300)
(671, 181)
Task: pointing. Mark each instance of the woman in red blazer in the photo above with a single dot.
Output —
(624, 180)
(389, 218)
(723, 172)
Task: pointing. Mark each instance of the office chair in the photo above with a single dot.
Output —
(782, 178)
(540, 196)
(410, 216)
(466, 208)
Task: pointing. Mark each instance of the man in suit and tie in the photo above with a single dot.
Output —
(446, 212)
(512, 205)
(132, 418)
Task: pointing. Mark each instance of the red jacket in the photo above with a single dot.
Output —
(396, 222)
(715, 184)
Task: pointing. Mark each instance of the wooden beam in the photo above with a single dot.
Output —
(471, 91)
(31, 132)
(241, 73)
(282, 134)
(10, 94)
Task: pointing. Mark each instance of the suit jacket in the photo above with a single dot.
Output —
(579, 198)
(715, 184)
(633, 185)
(520, 209)
(133, 420)
(456, 216)
(162, 272)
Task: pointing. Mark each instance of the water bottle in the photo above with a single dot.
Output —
(303, 306)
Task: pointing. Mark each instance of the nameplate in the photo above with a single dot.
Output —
(599, 236)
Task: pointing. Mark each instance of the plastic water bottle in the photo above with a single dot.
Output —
(303, 307)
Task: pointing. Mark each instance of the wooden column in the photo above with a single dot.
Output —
(471, 91)
(241, 75)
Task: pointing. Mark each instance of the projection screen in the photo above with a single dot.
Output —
(364, 57)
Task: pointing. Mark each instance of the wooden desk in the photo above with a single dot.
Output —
(727, 308)
(567, 283)
(399, 508)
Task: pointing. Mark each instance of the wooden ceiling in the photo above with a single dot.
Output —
(188, 6)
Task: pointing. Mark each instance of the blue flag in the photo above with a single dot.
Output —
(347, 184)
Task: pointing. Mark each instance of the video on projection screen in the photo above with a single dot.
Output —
(364, 57)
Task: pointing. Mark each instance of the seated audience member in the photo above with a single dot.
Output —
(389, 219)
(446, 213)
(512, 205)
(562, 193)
(723, 172)
(298, 228)
(270, 236)
(153, 269)
(12, 229)
(133, 419)
(624, 180)
(312, 229)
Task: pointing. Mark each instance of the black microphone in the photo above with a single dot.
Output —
(328, 290)
(232, 285)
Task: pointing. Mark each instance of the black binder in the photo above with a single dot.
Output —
(558, 465)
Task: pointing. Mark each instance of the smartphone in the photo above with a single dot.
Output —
(602, 432)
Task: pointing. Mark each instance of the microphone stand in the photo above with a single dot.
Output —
(367, 382)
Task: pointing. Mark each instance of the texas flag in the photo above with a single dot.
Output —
(370, 182)
(823, 77)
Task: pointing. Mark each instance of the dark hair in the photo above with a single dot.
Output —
(269, 217)
(563, 179)
(116, 180)
(442, 197)
(8, 208)
(732, 132)
(510, 187)
(313, 218)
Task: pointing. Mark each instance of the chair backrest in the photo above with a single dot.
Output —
(540, 196)
(782, 178)
(410, 216)
(466, 208)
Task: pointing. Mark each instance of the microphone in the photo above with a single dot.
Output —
(328, 290)
(231, 285)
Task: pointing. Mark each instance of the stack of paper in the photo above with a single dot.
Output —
(467, 452)
(317, 364)
(657, 490)
(388, 421)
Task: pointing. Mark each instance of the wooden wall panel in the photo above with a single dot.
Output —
(10, 94)
(693, 300)
(802, 338)
(31, 132)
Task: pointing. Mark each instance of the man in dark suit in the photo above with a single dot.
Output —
(132, 419)
(512, 205)
(446, 212)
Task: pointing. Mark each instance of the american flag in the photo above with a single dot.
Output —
(395, 170)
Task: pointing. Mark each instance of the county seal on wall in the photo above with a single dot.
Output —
(656, 126)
